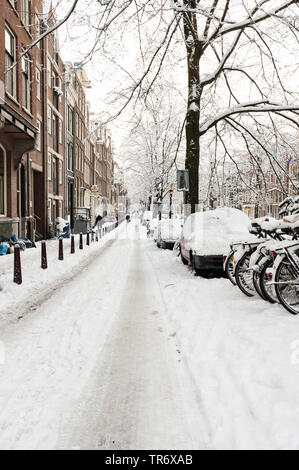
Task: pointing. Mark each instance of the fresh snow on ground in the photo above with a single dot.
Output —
(121, 346)
(242, 354)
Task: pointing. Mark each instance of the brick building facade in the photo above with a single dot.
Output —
(19, 109)
(52, 164)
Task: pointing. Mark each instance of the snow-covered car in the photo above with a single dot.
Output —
(168, 232)
(206, 237)
(153, 228)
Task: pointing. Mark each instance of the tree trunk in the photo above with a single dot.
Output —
(193, 112)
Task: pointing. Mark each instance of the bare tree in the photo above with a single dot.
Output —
(154, 144)
(231, 52)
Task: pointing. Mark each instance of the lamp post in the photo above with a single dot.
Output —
(171, 189)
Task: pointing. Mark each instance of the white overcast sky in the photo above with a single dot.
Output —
(76, 40)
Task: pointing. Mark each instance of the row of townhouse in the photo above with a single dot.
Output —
(259, 192)
(55, 161)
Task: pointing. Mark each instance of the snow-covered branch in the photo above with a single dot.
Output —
(252, 19)
(45, 34)
(255, 107)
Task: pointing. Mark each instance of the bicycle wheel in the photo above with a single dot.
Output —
(267, 290)
(244, 276)
(229, 269)
(256, 284)
(287, 287)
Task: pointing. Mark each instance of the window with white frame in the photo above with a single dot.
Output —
(49, 72)
(60, 131)
(26, 82)
(25, 13)
(50, 210)
(37, 29)
(10, 59)
(38, 137)
(2, 181)
(49, 120)
(60, 172)
(38, 83)
(49, 167)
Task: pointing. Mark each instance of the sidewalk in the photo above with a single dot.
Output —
(38, 283)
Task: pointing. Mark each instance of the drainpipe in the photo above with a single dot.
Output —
(29, 233)
(66, 187)
(45, 131)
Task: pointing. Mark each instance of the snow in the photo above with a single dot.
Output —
(154, 224)
(170, 229)
(121, 346)
(212, 232)
(242, 354)
(37, 282)
(148, 215)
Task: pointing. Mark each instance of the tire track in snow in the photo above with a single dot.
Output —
(137, 400)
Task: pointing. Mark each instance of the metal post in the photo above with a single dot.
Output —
(72, 244)
(17, 266)
(88, 239)
(60, 251)
(81, 241)
(44, 262)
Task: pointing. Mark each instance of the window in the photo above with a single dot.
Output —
(37, 28)
(26, 85)
(55, 131)
(55, 176)
(49, 72)
(25, 13)
(70, 119)
(38, 83)
(60, 131)
(59, 85)
(49, 167)
(2, 181)
(49, 120)
(38, 137)
(60, 173)
(50, 210)
(70, 157)
(10, 59)
(55, 48)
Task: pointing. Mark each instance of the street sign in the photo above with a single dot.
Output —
(183, 180)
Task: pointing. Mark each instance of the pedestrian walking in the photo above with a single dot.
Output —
(100, 222)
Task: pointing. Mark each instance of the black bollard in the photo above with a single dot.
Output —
(60, 251)
(72, 244)
(88, 239)
(81, 241)
(44, 261)
(92, 237)
(17, 266)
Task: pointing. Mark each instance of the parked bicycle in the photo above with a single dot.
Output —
(269, 266)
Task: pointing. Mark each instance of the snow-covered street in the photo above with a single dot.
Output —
(134, 352)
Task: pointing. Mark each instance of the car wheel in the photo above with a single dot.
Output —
(185, 262)
(196, 272)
